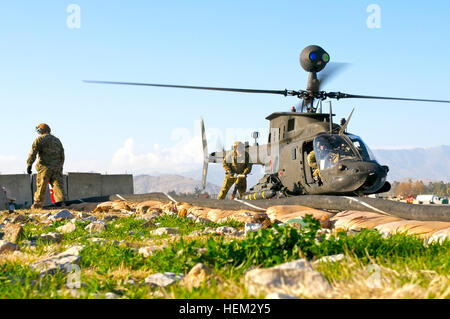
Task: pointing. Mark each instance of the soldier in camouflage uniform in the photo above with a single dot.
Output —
(49, 167)
(237, 165)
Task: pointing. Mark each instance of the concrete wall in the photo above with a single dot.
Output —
(3, 201)
(117, 184)
(82, 185)
(19, 187)
(77, 185)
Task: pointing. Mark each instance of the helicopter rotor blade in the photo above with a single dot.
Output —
(205, 153)
(331, 71)
(339, 95)
(282, 92)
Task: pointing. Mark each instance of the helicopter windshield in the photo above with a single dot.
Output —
(362, 148)
(330, 149)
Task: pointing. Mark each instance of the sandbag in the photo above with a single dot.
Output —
(182, 209)
(356, 220)
(284, 213)
(112, 206)
(245, 216)
(440, 235)
(197, 211)
(215, 215)
(144, 207)
(424, 229)
(83, 207)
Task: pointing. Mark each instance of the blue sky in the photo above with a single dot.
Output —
(248, 44)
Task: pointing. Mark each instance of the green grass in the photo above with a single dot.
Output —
(104, 266)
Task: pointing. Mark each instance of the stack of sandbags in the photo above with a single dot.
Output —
(423, 229)
(440, 235)
(83, 207)
(148, 206)
(285, 213)
(113, 206)
(182, 209)
(356, 220)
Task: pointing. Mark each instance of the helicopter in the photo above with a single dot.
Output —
(345, 163)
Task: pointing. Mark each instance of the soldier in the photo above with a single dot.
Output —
(312, 162)
(49, 167)
(237, 165)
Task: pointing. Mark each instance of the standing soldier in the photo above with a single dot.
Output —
(237, 165)
(49, 167)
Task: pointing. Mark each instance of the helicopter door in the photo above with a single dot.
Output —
(307, 148)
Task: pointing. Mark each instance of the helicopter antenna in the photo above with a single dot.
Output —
(344, 127)
(331, 118)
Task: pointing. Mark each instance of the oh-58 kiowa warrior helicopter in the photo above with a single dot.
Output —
(346, 164)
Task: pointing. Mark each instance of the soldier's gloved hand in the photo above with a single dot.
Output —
(29, 170)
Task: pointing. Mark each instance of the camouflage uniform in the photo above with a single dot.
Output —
(235, 165)
(49, 167)
(312, 162)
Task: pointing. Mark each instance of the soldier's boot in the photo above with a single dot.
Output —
(37, 205)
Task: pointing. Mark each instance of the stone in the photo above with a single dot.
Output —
(277, 295)
(147, 251)
(111, 295)
(13, 233)
(63, 262)
(62, 215)
(165, 231)
(6, 246)
(163, 280)
(52, 237)
(331, 258)
(197, 275)
(249, 227)
(226, 230)
(293, 278)
(67, 228)
(74, 250)
(110, 217)
(19, 219)
(96, 227)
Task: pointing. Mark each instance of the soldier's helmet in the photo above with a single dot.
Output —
(43, 128)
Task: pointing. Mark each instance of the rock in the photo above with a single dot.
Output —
(277, 295)
(52, 237)
(60, 263)
(196, 233)
(197, 275)
(13, 233)
(74, 250)
(62, 215)
(226, 230)
(163, 280)
(249, 227)
(67, 228)
(293, 278)
(295, 264)
(19, 219)
(110, 217)
(147, 251)
(6, 246)
(331, 258)
(111, 295)
(165, 231)
(96, 227)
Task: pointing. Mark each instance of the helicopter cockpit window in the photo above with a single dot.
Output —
(330, 149)
(362, 148)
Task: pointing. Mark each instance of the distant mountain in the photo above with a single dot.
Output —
(419, 163)
(166, 183)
